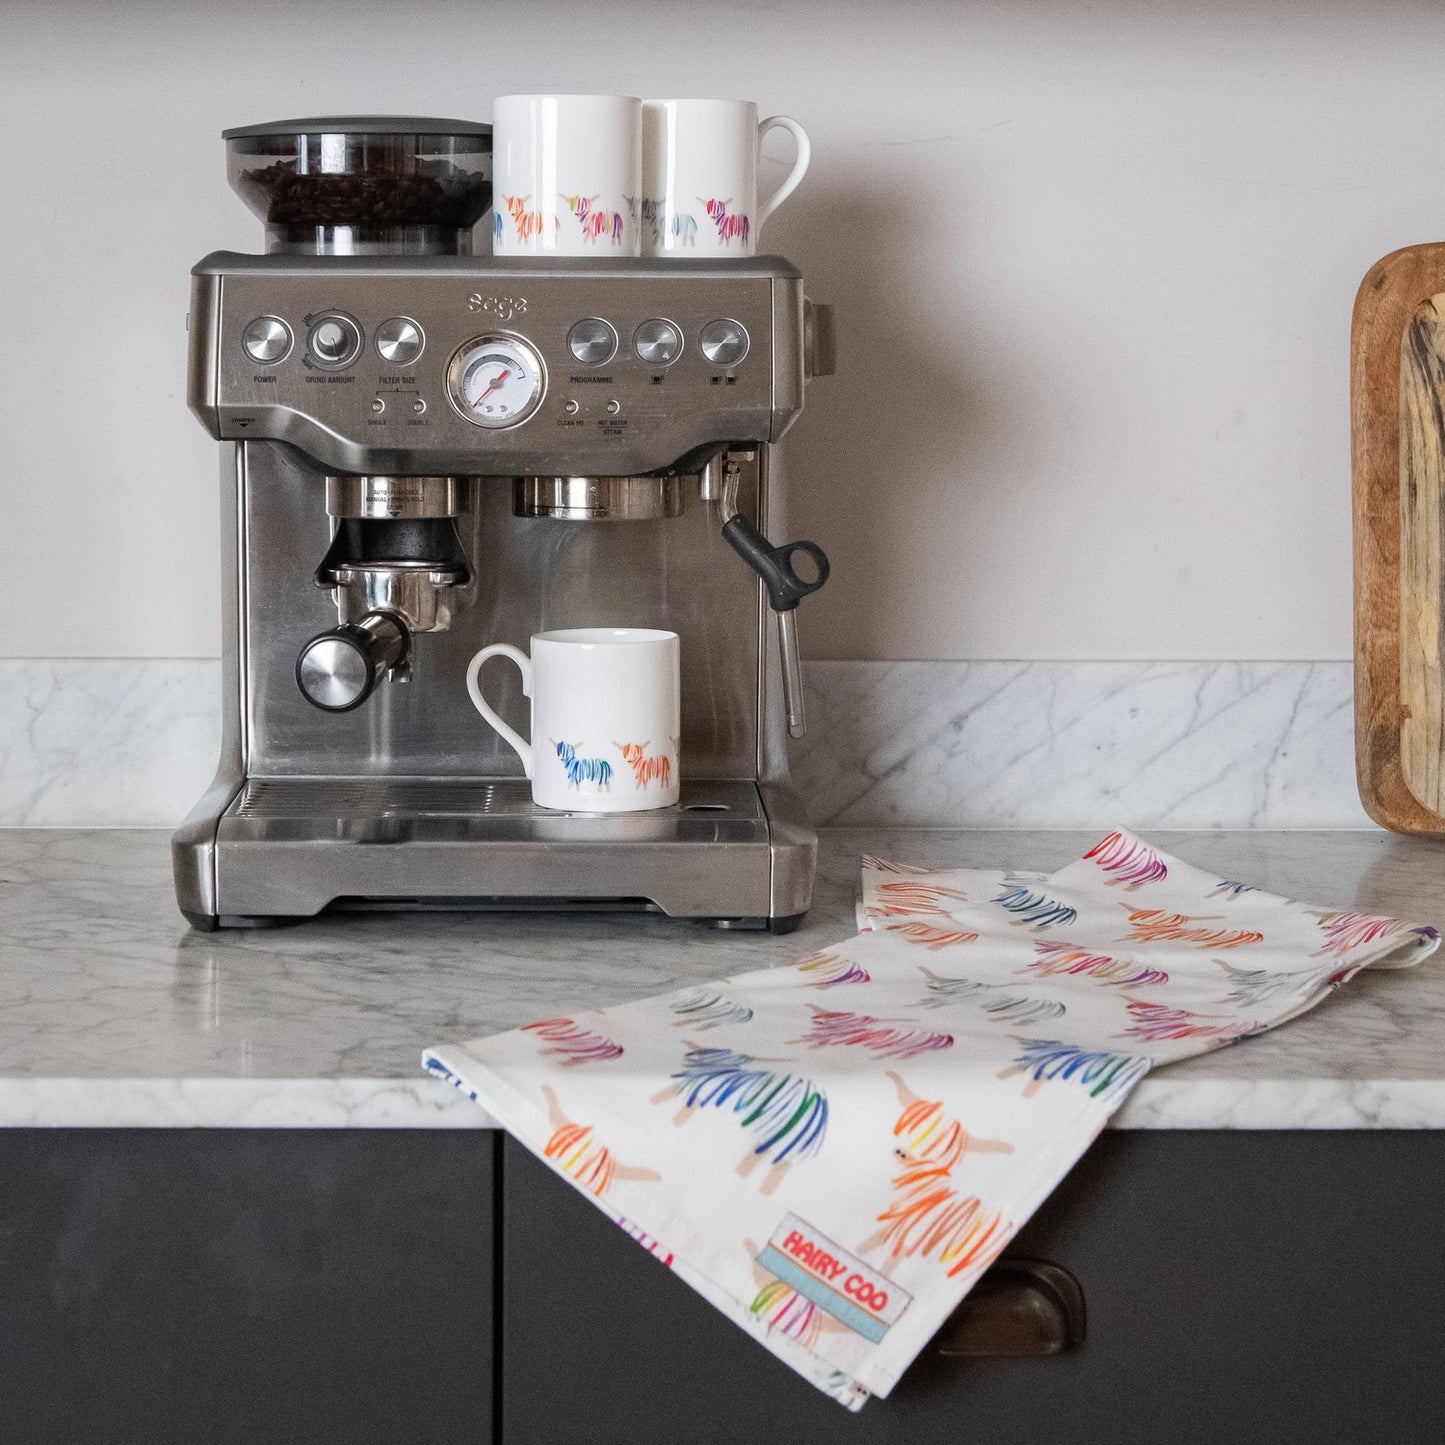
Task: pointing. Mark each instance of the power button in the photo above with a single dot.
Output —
(266, 340)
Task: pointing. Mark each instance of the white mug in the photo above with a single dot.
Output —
(700, 176)
(566, 174)
(606, 715)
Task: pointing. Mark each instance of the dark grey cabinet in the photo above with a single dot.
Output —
(300, 1287)
(363, 1286)
(1253, 1287)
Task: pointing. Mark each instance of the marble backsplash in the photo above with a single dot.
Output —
(132, 743)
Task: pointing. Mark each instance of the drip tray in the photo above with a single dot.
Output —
(291, 846)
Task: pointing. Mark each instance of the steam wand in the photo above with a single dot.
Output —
(785, 587)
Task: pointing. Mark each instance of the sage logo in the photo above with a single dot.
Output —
(502, 307)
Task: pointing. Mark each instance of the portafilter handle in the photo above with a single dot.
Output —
(786, 588)
(339, 668)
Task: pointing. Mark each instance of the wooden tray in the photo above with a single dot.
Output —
(1397, 382)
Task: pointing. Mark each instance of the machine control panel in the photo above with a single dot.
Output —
(455, 365)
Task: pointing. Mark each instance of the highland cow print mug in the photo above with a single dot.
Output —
(566, 175)
(700, 176)
(606, 716)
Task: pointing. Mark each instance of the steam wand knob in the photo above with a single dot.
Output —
(338, 669)
(786, 588)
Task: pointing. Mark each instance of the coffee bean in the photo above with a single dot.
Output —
(443, 195)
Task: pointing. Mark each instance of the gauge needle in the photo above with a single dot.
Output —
(492, 385)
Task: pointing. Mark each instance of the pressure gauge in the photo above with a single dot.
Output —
(497, 380)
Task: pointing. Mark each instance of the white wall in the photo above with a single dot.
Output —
(1093, 268)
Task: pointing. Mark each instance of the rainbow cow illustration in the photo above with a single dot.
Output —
(682, 227)
(572, 1043)
(840, 1028)
(528, 223)
(1344, 931)
(1154, 925)
(575, 1151)
(1129, 862)
(1102, 1073)
(1035, 909)
(580, 770)
(782, 1308)
(1229, 890)
(1258, 985)
(1066, 958)
(1159, 1023)
(785, 1114)
(596, 225)
(645, 770)
(730, 225)
(704, 1008)
(930, 937)
(828, 970)
(927, 1215)
(654, 1247)
(900, 899)
(1002, 1007)
(887, 865)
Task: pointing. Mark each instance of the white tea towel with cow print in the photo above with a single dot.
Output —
(833, 1153)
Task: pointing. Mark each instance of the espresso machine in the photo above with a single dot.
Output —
(424, 451)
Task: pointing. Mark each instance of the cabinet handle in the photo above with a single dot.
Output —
(1020, 1308)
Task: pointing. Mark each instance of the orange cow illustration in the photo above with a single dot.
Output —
(927, 1215)
(576, 1152)
(645, 770)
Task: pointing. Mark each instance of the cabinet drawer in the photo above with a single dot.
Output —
(1274, 1287)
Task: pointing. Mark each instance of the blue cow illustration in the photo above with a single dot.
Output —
(680, 226)
(582, 770)
(1036, 909)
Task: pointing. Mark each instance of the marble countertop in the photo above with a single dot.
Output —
(114, 1013)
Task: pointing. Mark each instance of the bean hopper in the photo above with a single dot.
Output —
(378, 528)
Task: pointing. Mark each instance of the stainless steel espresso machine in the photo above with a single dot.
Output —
(380, 525)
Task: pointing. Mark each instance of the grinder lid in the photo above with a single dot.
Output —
(360, 125)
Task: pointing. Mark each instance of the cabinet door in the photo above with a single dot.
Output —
(287, 1286)
(1260, 1287)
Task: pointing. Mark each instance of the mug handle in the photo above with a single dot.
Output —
(800, 165)
(518, 743)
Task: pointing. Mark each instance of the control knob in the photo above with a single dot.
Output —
(266, 340)
(400, 340)
(593, 341)
(657, 342)
(724, 342)
(334, 340)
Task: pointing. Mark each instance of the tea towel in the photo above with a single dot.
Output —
(832, 1153)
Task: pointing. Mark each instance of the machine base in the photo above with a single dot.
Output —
(212, 922)
(735, 854)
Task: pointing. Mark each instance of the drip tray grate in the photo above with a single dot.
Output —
(382, 798)
(409, 799)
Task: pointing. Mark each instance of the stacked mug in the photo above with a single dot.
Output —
(612, 175)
